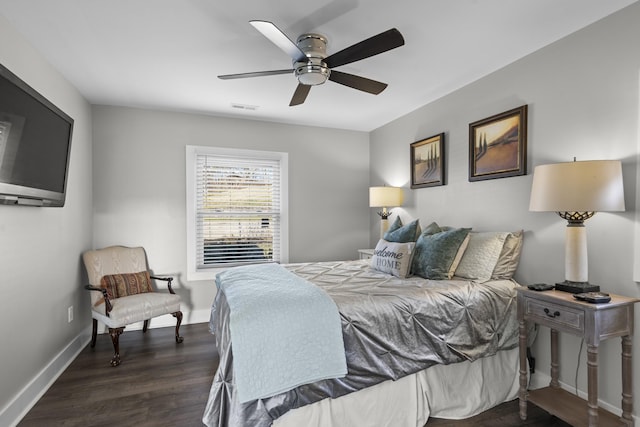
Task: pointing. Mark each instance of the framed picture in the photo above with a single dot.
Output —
(427, 162)
(498, 145)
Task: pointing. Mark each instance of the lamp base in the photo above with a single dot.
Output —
(577, 287)
(384, 226)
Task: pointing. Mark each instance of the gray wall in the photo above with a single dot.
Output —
(583, 96)
(139, 187)
(40, 247)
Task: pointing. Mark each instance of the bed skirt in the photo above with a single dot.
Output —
(455, 391)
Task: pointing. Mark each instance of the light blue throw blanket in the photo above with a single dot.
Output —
(285, 331)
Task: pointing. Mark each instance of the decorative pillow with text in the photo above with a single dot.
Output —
(393, 258)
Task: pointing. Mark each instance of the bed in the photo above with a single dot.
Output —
(413, 348)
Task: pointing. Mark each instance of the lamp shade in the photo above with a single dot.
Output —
(587, 186)
(385, 196)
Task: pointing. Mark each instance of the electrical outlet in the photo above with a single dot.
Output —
(70, 314)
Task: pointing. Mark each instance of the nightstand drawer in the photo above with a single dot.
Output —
(555, 315)
(365, 253)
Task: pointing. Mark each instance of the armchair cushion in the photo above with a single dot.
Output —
(136, 308)
(122, 285)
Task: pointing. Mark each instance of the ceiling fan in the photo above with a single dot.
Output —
(312, 66)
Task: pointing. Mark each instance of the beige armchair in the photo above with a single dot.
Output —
(122, 293)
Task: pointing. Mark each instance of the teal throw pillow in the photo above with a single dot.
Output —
(432, 228)
(435, 253)
(403, 234)
(397, 223)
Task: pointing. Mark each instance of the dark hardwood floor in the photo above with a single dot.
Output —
(505, 415)
(160, 383)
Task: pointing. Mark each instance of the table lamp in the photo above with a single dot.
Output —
(576, 191)
(385, 197)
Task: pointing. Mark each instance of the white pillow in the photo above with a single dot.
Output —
(459, 254)
(393, 258)
(481, 256)
(509, 257)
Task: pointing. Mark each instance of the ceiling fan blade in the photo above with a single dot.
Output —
(254, 74)
(300, 95)
(280, 39)
(375, 45)
(357, 82)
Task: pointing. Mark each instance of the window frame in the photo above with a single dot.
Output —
(193, 272)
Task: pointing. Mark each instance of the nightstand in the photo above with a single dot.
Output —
(365, 253)
(594, 322)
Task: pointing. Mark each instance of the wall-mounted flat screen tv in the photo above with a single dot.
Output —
(35, 144)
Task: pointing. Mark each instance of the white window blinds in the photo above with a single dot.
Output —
(238, 210)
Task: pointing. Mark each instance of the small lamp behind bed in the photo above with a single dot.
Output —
(385, 197)
(576, 191)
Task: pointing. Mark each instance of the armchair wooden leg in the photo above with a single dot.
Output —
(145, 326)
(94, 333)
(178, 316)
(115, 337)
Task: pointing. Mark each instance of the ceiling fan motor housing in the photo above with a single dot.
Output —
(312, 66)
(314, 71)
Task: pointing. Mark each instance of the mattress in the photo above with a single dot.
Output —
(392, 328)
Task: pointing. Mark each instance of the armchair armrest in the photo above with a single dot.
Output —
(166, 279)
(105, 295)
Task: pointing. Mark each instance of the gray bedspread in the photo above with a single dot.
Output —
(391, 328)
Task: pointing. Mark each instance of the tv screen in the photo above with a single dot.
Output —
(35, 143)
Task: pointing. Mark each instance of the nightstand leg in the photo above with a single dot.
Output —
(627, 381)
(523, 370)
(555, 367)
(592, 384)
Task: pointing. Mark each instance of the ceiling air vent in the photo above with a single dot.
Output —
(244, 106)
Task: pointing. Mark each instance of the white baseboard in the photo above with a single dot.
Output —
(540, 380)
(32, 392)
(25, 399)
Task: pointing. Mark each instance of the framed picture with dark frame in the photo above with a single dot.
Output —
(427, 162)
(498, 145)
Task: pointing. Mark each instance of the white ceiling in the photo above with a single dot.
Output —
(166, 54)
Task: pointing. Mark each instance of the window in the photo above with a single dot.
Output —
(236, 208)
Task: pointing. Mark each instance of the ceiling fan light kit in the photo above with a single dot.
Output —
(313, 67)
(313, 71)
